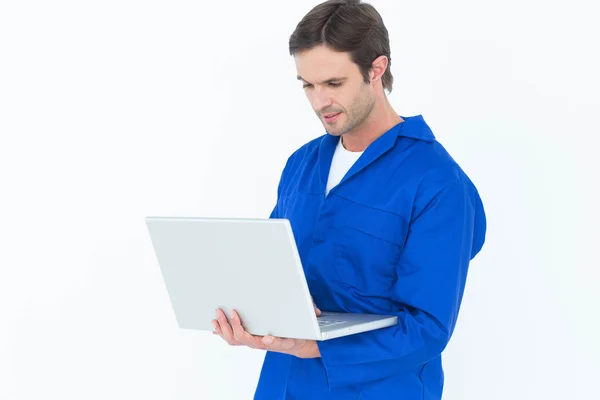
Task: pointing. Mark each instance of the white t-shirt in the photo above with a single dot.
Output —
(340, 164)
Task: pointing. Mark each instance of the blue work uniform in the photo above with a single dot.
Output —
(394, 237)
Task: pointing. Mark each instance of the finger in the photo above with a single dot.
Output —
(217, 329)
(317, 311)
(226, 330)
(240, 334)
(236, 326)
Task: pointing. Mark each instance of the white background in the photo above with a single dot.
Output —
(114, 110)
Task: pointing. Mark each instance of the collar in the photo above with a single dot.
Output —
(414, 127)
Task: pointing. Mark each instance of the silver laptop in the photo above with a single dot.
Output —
(250, 265)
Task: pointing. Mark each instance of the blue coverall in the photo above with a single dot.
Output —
(395, 236)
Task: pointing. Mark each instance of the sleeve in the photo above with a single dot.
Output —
(432, 273)
(275, 213)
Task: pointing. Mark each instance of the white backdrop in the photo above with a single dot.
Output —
(114, 110)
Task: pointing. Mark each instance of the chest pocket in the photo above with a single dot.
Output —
(368, 246)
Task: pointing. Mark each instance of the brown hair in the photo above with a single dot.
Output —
(346, 26)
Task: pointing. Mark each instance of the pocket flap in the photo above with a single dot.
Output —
(381, 224)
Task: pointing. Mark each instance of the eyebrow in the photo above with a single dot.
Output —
(327, 81)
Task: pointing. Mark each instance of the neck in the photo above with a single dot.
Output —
(381, 119)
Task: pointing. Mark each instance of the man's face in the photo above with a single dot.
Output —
(335, 88)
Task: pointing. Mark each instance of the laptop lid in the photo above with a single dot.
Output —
(250, 265)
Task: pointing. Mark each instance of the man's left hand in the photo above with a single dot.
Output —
(234, 334)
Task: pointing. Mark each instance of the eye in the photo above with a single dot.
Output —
(306, 85)
(335, 84)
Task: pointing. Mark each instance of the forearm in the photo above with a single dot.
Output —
(416, 339)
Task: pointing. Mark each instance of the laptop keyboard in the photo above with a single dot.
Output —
(328, 322)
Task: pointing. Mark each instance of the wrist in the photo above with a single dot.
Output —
(309, 349)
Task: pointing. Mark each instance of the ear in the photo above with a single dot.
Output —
(378, 68)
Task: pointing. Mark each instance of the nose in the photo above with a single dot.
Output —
(320, 100)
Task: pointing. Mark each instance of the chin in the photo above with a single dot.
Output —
(335, 129)
(332, 131)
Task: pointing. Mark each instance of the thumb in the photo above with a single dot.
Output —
(317, 311)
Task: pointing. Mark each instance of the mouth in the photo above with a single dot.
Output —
(331, 117)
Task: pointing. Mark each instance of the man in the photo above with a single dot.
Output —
(385, 220)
